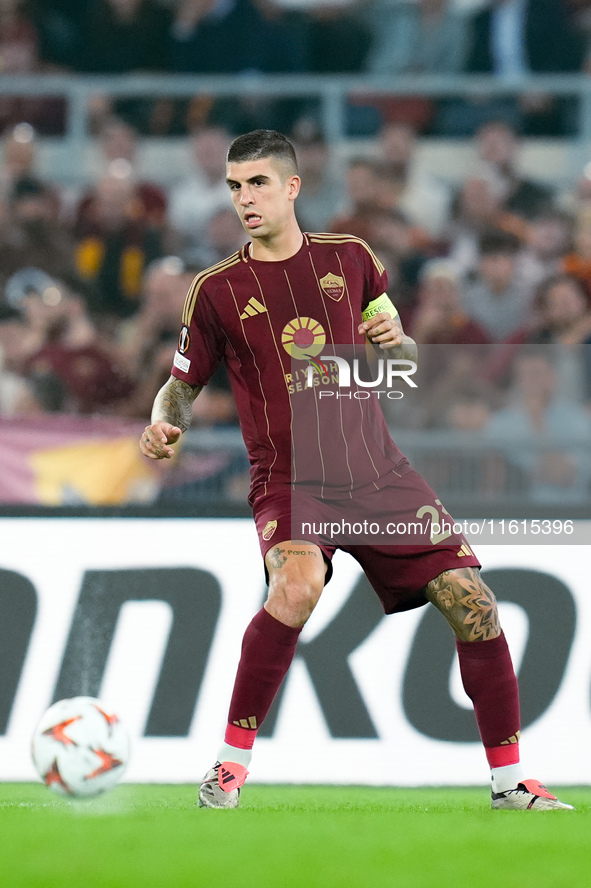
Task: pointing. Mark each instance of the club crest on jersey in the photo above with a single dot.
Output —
(333, 285)
(269, 530)
(184, 340)
(303, 338)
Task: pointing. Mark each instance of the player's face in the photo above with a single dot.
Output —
(263, 196)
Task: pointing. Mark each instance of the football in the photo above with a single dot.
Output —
(80, 748)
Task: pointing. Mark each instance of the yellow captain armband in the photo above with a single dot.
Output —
(382, 303)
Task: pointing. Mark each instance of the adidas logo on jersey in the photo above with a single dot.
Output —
(253, 307)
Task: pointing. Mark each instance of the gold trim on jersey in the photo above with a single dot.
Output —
(294, 468)
(276, 345)
(344, 437)
(258, 370)
(361, 407)
(321, 238)
(199, 280)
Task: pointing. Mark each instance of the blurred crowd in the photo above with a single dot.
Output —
(491, 275)
(390, 38)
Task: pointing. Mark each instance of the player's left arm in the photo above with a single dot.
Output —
(382, 326)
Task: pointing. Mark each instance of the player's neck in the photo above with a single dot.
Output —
(277, 247)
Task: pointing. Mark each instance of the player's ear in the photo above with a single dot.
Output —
(293, 185)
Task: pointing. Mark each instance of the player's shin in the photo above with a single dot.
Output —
(490, 681)
(268, 649)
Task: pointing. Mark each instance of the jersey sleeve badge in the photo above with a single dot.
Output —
(184, 340)
(270, 528)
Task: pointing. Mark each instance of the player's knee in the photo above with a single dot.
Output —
(467, 603)
(296, 579)
(292, 599)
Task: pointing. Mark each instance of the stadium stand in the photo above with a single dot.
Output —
(469, 179)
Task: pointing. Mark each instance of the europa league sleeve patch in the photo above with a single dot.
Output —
(184, 340)
(181, 362)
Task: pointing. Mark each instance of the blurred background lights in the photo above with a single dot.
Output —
(51, 296)
(172, 265)
(120, 168)
(23, 133)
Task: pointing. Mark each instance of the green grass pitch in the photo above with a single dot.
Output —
(290, 837)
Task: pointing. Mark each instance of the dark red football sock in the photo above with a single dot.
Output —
(490, 682)
(268, 648)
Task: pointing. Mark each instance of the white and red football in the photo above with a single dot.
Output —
(80, 748)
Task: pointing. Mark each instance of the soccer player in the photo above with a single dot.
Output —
(283, 299)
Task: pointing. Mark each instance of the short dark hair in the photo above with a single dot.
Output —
(497, 240)
(263, 143)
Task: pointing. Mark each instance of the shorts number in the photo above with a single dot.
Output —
(444, 531)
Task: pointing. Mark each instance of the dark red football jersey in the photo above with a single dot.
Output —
(266, 320)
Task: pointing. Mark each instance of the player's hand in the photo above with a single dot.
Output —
(156, 439)
(383, 330)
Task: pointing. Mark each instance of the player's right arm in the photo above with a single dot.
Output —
(171, 416)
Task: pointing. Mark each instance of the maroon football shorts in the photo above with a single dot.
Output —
(400, 534)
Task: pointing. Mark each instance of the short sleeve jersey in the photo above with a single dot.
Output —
(264, 320)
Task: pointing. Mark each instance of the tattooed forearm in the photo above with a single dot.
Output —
(468, 605)
(174, 403)
(407, 350)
